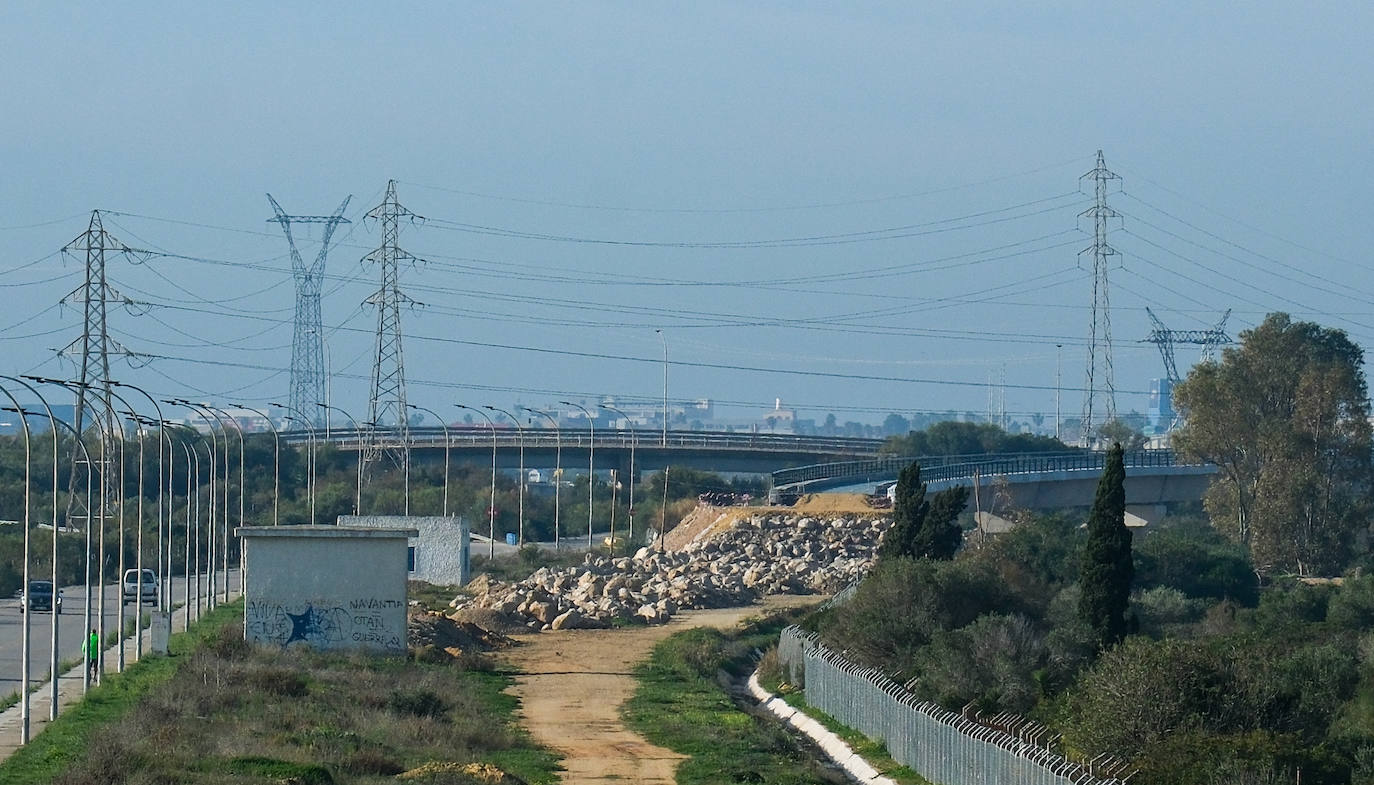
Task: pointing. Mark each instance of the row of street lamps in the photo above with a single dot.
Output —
(110, 433)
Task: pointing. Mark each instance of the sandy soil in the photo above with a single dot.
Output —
(573, 683)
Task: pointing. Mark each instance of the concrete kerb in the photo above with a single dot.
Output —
(69, 687)
(833, 746)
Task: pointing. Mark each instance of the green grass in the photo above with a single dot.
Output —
(431, 597)
(219, 711)
(875, 752)
(681, 704)
(64, 740)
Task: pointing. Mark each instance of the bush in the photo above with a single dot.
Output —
(417, 703)
(904, 602)
(1162, 609)
(1352, 607)
(992, 662)
(279, 681)
(1196, 560)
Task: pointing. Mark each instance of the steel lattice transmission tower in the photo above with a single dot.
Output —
(387, 404)
(307, 353)
(1166, 339)
(1099, 382)
(95, 345)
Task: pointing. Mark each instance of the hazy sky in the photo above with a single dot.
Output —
(593, 171)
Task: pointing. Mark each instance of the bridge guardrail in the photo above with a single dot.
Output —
(957, 467)
(349, 438)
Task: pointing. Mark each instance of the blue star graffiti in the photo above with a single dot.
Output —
(314, 627)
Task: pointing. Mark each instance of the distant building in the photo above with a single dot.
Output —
(1160, 413)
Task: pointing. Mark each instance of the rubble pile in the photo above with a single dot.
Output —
(764, 554)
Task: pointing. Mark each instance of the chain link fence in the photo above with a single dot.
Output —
(947, 748)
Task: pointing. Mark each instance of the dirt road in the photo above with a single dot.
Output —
(574, 681)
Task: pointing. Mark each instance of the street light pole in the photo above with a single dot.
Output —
(591, 465)
(1058, 363)
(28, 615)
(276, 462)
(52, 650)
(491, 511)
(443, 425)
(239, 431)
(161, 485)
(634, 440)
(210, 582)
(90, 478)
(557, 470)
(520, 429)
(138, 540)
(358, 495)
(664, 339)
(310, 455)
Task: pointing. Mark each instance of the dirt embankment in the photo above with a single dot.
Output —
(707, 520)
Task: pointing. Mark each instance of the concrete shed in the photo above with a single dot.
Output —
(325, 587)
(441, 553)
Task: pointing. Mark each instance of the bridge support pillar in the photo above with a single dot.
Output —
(989, 523)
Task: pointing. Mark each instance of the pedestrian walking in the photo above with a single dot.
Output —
(91, 649)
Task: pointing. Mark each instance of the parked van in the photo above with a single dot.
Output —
(148, 587)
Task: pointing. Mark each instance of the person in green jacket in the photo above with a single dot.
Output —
(91, 648)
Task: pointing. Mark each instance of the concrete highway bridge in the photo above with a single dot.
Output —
(1154, 479)
(725, 452)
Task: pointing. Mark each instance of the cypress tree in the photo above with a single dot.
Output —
(941, 536)
(1107, 570)
(923, 528)
(908, 515)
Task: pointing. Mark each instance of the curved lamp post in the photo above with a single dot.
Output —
(276, 462)
(443, 425)
(243, 490)
(664, 339)
(358, 495)
(105, 486)
(634, 441)
(86, 671)
(591, 465)
(52, 423)
(491, 511)
(520, 429)
(310, 456)
(161, 485)
(558, 468)
(210, 421)
(24, 674)
(138, 537)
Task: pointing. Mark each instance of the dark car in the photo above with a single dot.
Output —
(41, 597)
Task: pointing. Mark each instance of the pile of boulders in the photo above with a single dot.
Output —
(764, 554)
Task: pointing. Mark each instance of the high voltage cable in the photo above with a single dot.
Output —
(1252, 227)
(844, 238)
(1251, 265)
(756, 209)
(658, 361)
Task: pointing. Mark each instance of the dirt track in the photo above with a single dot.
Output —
(574, 681)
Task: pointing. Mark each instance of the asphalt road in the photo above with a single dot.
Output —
(69, 629)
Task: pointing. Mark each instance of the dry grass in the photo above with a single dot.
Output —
(235, 714)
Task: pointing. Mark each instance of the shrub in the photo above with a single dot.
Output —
(1163, 608)
(371, 761)
(992, 662)
(417, 703)
(1197, 560)
(279, 681)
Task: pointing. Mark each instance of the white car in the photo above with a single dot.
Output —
(132, 588)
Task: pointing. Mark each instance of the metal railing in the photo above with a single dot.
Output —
(957, 467)
(425, 437)
(945, 747)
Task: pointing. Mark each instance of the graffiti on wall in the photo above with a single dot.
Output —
(369, 622)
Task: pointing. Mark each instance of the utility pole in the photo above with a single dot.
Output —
(1100, 381)
(1058, 366)
(307, 363)
(95, 345)
(388, 399)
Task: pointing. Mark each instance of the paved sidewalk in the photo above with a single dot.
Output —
(69, 687)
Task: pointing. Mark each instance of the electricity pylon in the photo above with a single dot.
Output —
(307, 354)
